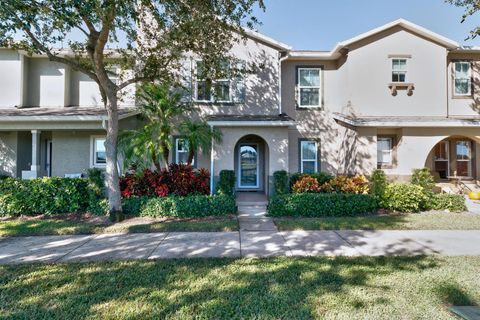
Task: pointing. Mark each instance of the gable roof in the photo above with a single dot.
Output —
(407, 25)
(267, 40)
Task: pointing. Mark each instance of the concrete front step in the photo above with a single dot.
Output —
(251, 203)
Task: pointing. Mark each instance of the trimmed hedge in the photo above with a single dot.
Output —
(402, 197)
(181, 207)
(321, 205)
(43, 196)
(226, 183)
(280, 182)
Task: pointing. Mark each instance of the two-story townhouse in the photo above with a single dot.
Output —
(398, 97)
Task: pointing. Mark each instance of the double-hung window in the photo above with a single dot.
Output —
(399, 70)
(181, 151)
(228, 88)
(99, 156)
(308, 156)
(384, 151)
(309, 87)
(462, 81)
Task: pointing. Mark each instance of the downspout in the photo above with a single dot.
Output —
(280, 82)
(211, 163)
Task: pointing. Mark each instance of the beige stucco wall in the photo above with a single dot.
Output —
(8, 153)
(46, 83)
(11, 79)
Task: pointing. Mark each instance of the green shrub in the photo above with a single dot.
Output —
(321, 204)
(378, 184)
(43, 196)
(97, 204)
(423, 178)
(280, 182)
(321, 177)
(181, 207)
(226, 183)
(402, 197)
(444, 201)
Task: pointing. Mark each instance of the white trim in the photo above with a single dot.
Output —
(266, 39)
(93, 163)
(336, 52)
(234, 123)
(308, 160)
(469, 93)
(177, 139)
(434, 123)
(319, 87)
(257, 185)
(390, 150)
(404, 72)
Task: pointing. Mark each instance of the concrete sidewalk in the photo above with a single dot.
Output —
(52, 249)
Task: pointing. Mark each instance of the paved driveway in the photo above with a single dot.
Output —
(52, 249)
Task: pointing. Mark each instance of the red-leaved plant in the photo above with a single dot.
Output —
(180, 180)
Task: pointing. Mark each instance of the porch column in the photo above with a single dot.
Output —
(34, 171)
(35, 166)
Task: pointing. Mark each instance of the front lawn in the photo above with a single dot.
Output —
(277, 288)
(58, 226)
(415, 221)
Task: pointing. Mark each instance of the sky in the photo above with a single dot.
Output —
(320, 24)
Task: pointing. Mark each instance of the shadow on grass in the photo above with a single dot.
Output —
(452, 295)
(202, 288)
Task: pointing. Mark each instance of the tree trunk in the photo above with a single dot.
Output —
(191, 154)
(113, 183)
(165, 154)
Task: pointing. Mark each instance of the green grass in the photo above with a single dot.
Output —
(277, 288)
(19, 227)
(420, 221)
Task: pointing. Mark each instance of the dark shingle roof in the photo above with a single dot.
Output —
(66, 111)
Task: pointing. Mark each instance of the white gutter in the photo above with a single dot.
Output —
(212, 158)
(252, 123)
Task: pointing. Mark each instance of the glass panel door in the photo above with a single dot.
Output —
(248, 166)
(464, 163)
(442, 159)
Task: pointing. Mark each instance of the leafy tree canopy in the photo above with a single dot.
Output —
(471, 7)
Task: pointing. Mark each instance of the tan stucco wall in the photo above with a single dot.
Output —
(8, 153)
(71, 151)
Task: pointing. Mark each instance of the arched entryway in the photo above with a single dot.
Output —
(453, 157)
(251, 164)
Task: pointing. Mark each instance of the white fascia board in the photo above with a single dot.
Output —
(251, 123)
(267, 40)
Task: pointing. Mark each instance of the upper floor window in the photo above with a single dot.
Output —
(99, 155)
(230, 88)
(399, 70)
(462, 80)
(309, 87)
(384, 151)
(308, 156)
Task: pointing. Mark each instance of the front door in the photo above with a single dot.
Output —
(248, 166)
(48, 162)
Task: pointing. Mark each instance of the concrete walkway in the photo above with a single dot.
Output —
(52, 249)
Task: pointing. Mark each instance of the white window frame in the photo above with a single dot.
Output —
(319, 87)
(213, 99)
(302, 160)
(405, 72)
(390, 139)
(469, 79)
(93, 151)
(177, 152)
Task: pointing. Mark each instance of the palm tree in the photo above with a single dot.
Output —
(198, 135)
(147, 145)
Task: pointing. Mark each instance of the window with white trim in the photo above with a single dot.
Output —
(462, 78)
(399, 70)
(181, 151)
(309, 87)
(99, 152)
(308, 156)
(384, 150)
(225, 89)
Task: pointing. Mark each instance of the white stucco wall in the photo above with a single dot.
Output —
(11, 79)
(46, 83)
(8, 153)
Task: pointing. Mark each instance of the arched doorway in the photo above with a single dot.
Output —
(251, 164)
(453, 157)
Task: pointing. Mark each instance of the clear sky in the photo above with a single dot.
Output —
(320, 24)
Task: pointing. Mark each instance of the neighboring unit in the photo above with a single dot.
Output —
(398, 97)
